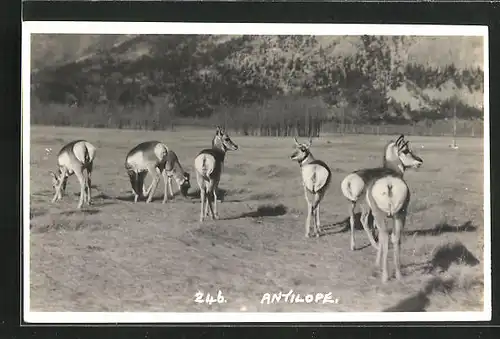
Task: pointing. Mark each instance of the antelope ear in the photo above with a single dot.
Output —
(310, 142)
(296, 142)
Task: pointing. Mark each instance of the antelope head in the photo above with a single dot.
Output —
(400, 151)
(58, 183)
(223, 141)
(301, 151)
(185, 184)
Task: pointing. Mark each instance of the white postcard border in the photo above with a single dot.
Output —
(56, 27)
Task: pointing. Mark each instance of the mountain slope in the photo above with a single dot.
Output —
(197, 73)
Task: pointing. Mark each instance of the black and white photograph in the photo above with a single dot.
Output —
(210, 172)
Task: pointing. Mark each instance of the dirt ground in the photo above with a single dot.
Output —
(119, 256)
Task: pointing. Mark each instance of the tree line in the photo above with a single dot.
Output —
(257, 92)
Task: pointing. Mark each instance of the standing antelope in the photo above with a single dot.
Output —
(208, 164)
(316, 176)
(397, 158)
(75, 157)
(154, 157)
(388, 198)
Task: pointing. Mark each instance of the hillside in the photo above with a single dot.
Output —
(48, 50)
(374, 78)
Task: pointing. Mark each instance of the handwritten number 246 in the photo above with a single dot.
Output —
(202, 298)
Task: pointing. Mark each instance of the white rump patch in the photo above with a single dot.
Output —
(352, 186)
(79, 149)
(389, 194)
(136, 161)
(204, 164)
(314, 177)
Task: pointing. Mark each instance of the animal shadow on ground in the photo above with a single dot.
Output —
(82, 211)
(128, 197)
(345, 226)
(420, 301)
(37, 212)
(94, 187)
(221, 195)
(443, 228)
(99, 196)
(102, 196)
(262, 211)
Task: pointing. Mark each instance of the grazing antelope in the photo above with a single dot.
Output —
(208, 164)
(154, 157)
(77, 158)
(316, 176)
(397, 158)
(388, 198)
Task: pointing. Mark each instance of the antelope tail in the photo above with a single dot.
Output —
(87, 155)
(204, 167)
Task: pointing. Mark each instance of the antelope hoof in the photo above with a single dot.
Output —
(353, 247)
(307, 235)
(216, 216)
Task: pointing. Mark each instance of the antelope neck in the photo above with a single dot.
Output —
(177, 172)
(395, 165)
(307, 159)
(217, 144)
(220, 149)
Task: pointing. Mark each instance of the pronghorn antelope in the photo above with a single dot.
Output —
(316, 176)
(208, 165)
(388, 198)
(76, 157)
(154, 157)
(397, 158)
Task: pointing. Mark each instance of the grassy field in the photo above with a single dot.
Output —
(121, 256)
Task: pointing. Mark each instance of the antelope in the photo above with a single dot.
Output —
(388, 197)
(316, 177)
(397, 158)
(77, 158)
(154, 157)
(208, 165)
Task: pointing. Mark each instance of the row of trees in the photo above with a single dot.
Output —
(237, 80)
